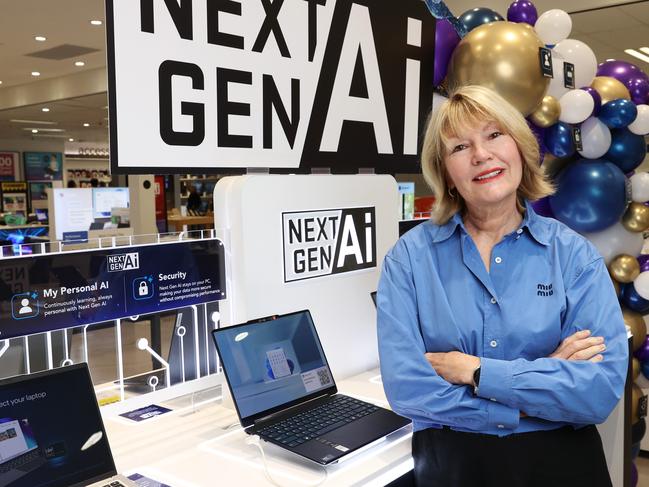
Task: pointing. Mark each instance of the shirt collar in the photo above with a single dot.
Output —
(533, 222)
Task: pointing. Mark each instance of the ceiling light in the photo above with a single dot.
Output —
(33, 122)
(86, 124)
(45, 130)
(35, 73)
(645, 49)
(0, 82)
(45, 109)
(96, 22)
(40, 38)
(34, 131)
(79, 63)
(638, 55)
(71, 140)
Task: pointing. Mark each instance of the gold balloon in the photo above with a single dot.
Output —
(636, 395)
(552, 165)
(635, 370)
(609, 89)
(635, 321)
(624, 268)
(503, 56)
(547, 113)
(636, 218)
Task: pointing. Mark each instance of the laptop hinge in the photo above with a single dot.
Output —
(286, 411)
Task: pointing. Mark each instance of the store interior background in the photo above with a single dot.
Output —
(65, 108)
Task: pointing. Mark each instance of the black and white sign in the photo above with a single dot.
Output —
(325, 242)
(206, 85)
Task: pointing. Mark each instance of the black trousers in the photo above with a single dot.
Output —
(557, 458)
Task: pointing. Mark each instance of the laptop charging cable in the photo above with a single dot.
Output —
(255, 440)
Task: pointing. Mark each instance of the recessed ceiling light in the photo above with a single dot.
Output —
(34, 131)
(645, 50)
(45, 109)
(40, 38)
(96, 22)
(36, 73)
(71, 140)
(79, 63)
(86, 124)
(637, 55)
(33, 122)
(45, 130)
(0, 82)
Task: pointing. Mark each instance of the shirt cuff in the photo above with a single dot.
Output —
(496, 379)
(502, 417)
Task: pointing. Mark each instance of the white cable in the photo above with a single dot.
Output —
(254, 440)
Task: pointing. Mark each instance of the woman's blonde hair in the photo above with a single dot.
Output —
(467, 107)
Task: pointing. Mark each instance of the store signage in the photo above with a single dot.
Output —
(321, 243)
(8, 164)
(55, 291)
(206, 85)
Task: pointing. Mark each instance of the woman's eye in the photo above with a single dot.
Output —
(495, 134)
(458, 148)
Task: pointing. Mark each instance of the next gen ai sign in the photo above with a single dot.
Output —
(289, 84)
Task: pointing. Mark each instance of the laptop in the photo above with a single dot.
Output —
(52, 434)
(42, 215)
(284, 391)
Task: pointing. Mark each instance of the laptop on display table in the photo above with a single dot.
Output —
(283, 390)
(52, 434)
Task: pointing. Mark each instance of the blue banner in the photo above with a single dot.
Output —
(54, 291)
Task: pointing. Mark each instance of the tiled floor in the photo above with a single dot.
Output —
(643, 471)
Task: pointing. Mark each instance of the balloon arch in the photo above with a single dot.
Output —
(590, 120)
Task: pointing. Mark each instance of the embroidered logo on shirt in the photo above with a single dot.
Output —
(544, 290)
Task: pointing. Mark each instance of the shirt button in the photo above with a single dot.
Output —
(519, 231)
(493, 343)
(494, 399)
(501, 426)
(498, 260)
(493, 301)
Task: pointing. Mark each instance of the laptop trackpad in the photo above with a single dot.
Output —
(359, 433)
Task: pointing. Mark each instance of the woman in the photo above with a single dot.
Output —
(500, 334)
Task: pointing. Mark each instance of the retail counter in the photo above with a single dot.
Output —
(205, 446)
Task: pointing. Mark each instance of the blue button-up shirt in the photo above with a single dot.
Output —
(545, 283)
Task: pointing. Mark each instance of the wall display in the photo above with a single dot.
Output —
(55, 291)
(290, 85)
(41, 166)
(82, 177)
(8, 165)
(72, 209)
(38, 191)
(14, 197)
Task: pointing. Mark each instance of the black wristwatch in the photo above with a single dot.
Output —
(476, 380)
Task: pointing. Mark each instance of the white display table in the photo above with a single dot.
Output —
(188, 448)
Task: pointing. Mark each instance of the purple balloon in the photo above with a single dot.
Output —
(643, 260)
(639, 90)
(542, 207)
(445, 41)
(621, 71)
(597, 98)
(522, 11)
(642, 354)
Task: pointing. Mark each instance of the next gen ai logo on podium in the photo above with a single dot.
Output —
(320, 243)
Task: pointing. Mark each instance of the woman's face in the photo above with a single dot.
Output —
(484, 165)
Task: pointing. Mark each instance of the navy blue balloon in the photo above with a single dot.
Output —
(558, 140)
(591, 195)
(644, 367)
(617, 114)
(627, 149)
(632, 300)
(478, 16)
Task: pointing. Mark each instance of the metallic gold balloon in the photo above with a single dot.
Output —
(635, 321)
(636, 218)
(624, 268)
(552, 165)
(547, 113)
(636, 395)
(635, 373)
(609, 89)
(503, 56)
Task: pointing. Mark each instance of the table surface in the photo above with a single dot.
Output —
(205, 446)
(179, 221)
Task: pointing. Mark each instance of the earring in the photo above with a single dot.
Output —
(450, 193)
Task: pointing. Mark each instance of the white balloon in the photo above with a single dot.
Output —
(595, 137)
(640, 126)
(641, 285)
(553, 26)
(616, 240)
(576, 106)
(557, 88)
(640, 187)
(582, 57)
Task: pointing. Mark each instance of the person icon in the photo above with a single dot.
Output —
(546, 58)
(25, 308)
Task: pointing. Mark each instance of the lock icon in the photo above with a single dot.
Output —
(143, 289)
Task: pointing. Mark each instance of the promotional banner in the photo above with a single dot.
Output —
(42, 166)
(14, 196)
(55, 291)
(38, 191)
(288, 84)
(8, 165)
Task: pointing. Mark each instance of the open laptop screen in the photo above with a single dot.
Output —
(51, 432)
(273, 363)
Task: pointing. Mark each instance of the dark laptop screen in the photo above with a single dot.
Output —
(51, 433)
(272, 363)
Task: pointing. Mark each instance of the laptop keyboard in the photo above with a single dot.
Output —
(20, 461)
(115, 483)
(315, 422)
